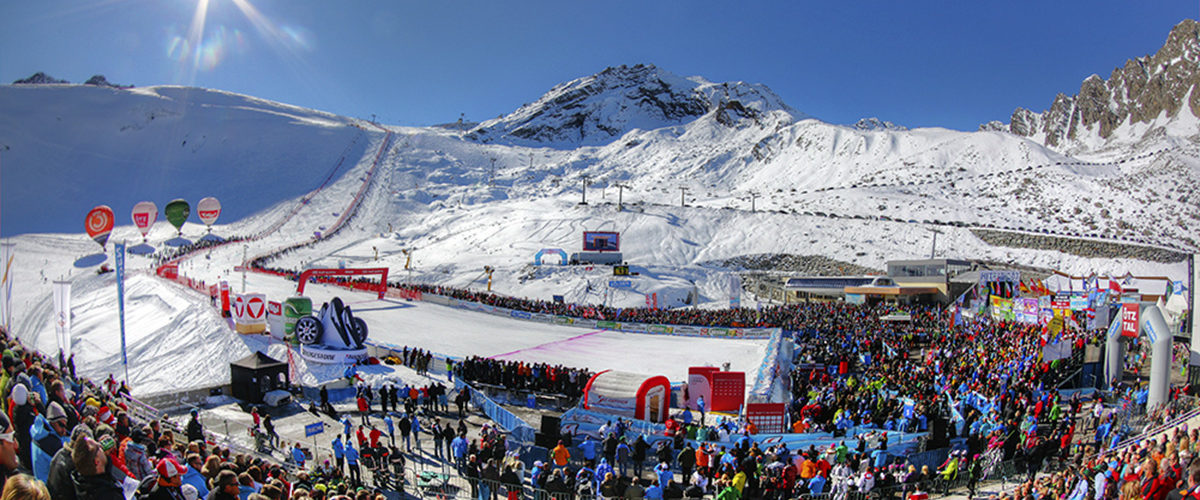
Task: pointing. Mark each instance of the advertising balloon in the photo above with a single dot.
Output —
(208, 210)
(99, 224)
(177, 213)
(145, 213)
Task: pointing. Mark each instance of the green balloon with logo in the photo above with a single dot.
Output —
(177, 212)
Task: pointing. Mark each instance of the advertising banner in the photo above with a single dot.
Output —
(275, 323)
(735, 291)
(119, 257)
(1002, 309)
(62, 315)
(249, 313)
(1028, 310)
(1129, 320)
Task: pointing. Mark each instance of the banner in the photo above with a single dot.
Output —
(62, 316)
(1129, 320)
(1027, 310)
(1002, 309)
(119, 256)
(735, 291)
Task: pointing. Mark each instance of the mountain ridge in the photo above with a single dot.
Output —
(1150, 91)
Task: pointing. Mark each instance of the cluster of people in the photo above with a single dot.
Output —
(168, 254)
(521, 375)
(63, 437)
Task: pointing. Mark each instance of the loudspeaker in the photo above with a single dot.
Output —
(545, 440)
(550, 425)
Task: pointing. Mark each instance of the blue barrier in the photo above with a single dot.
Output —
(517, 428)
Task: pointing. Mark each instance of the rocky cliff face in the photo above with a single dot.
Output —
(1138, 92)
(599, 108)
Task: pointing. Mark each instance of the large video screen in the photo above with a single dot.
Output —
(601, 241)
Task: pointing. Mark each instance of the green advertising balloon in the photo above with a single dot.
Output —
(177, 213)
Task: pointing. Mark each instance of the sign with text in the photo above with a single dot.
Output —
(1129, 320)
(311, 430)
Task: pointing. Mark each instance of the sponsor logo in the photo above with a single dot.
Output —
(520, 314)
(563, 320)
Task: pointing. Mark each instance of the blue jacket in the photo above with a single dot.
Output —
(244, 492)
(459, 447)
(195, 478)
(339, 449)
(44, 443)
(589, 448)
(298, 456)
(351, 455)
(387, 419)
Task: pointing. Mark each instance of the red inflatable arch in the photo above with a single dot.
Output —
(381, 271)
(630, 395)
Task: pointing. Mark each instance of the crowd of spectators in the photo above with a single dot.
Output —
(521, 375)
(67, 438)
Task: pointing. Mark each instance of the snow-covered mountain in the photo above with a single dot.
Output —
(600, 108)
(1147, 98)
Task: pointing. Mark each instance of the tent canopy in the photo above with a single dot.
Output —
(258, 361)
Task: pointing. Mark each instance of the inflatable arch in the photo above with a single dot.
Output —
(537, 258)
(629, 395)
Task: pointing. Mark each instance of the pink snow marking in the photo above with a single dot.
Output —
(547, 344)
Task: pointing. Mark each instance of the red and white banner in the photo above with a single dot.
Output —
(1129, 320)
(249, 313)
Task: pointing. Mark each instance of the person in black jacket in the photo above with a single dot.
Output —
(639, 455)
(92, 477)
(195, 430)
(59, 480)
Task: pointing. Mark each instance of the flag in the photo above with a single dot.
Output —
(1024, 287)
(119, 256)
(62, 315)
(1114, 285)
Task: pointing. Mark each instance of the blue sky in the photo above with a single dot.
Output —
(916, 63)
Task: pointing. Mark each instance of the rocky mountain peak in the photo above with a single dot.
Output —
(874, 123)
(38, 78)
(1140, 91)
(597, 109)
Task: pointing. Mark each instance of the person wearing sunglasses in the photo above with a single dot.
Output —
(92, 477)
(49, 434)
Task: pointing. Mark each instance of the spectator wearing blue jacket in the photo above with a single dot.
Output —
(298, 456)
(816, 485)
(48, 434)
(339, 451)
(588, 447)
(459, 448)
(416, 431)
(352, 463)
(391, 427)
(194, 477)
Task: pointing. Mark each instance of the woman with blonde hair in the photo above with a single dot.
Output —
(24, 487)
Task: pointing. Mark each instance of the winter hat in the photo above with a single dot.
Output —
(168, 469)
(20, 394)
(55, 412)
(189, 492)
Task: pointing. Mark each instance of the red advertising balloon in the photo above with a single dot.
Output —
(99, 224)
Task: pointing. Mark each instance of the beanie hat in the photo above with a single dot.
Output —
(55, 412)
(189, 492)
(20, 394)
